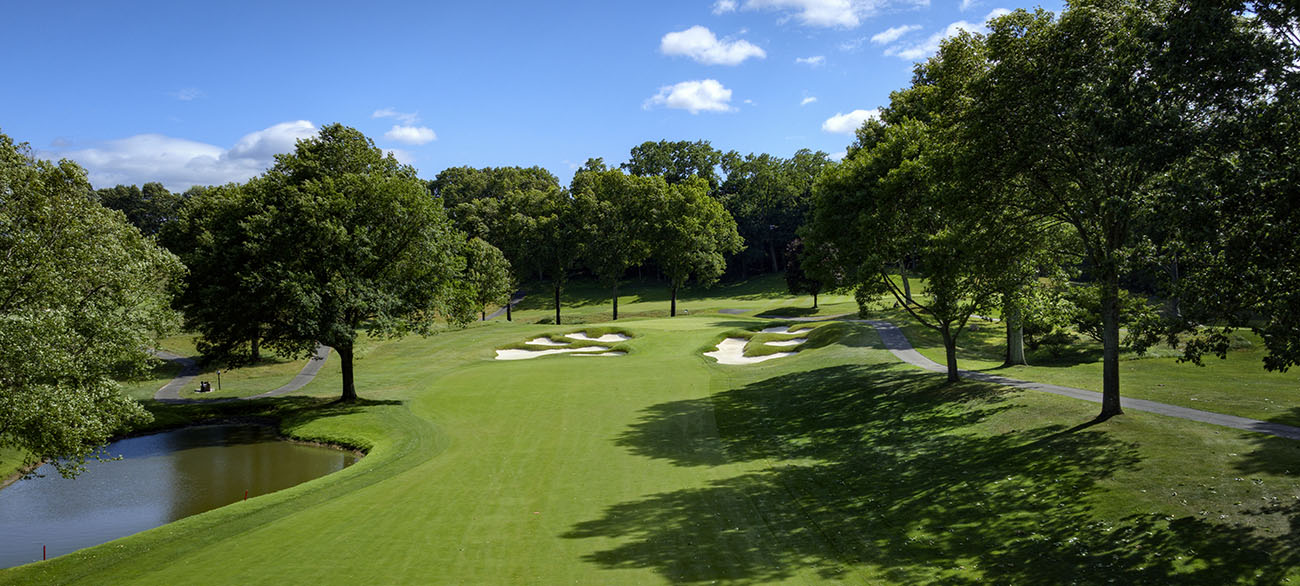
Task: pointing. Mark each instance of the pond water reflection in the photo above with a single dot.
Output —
(161, 478)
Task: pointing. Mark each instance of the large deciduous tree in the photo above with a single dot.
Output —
(364, 245)
(693, 234)
(226, 297)
(900, 197)
(82, 297)
(1086, 110)
(615, 209)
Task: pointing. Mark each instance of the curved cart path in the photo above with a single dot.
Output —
(519, 296)
(170, 393)
(896, 342)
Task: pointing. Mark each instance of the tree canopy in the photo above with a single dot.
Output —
(693, 234)
(82, 297)
(361, 243)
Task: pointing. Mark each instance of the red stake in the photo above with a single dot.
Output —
(42, 553)
(245, 494)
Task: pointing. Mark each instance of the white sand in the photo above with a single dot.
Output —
(546, 342)
(784, 330)
(607, 338)
(516, 354)
(615, 353)
(790, 342)
(732, 351)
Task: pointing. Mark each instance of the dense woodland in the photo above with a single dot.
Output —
(1126, 170)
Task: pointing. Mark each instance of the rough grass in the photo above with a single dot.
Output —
(835, 465)
(1237, 385)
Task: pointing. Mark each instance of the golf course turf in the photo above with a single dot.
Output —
(837, 464)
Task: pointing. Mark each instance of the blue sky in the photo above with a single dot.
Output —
(201, 93)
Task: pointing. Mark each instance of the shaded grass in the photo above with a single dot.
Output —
(1237, 385)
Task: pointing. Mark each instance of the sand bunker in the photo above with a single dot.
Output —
(732, 351)
(790, 342)
(784, 330)
(546, 342)
(517, 354)
(615, 353)
(607, 338)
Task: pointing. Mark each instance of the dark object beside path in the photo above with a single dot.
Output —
(519, 296)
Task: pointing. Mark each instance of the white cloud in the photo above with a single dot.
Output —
(724, 6)
(968, 4)
(928, 47)
(814, 61)
(839, 156)
(702, 45)
(411, 134)
(808, 100)
(893, 34)
(705, 95)
(265, 144)
(848, 123)
(407, 118)
(188, 94)
(180, 163)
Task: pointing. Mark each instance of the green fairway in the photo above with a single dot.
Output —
(838, 464)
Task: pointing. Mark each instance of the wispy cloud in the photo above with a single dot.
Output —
(814, 61)
(808, 100)
(700, 44)
(188, 94)
(828, 13)
(923, 49)
(724, 6)
(893, 34)
(403, 117)
(706, 95)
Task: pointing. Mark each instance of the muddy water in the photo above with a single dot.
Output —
(160, 478)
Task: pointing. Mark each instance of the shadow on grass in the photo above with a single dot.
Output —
(790, 311)
(874, 467)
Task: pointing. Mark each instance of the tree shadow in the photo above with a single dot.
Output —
(890, 471)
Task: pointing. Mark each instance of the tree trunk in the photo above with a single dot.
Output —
(1015, 335)
(950, 351)
(256, 343)
(771, 251)
(814, 300)
(672, 311)
(907, 287)
(508, 304)
(345, 360)
(1110, 346)
(615, 301)
(483, 314)
(557, 304)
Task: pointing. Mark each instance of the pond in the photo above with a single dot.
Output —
(160, 478)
